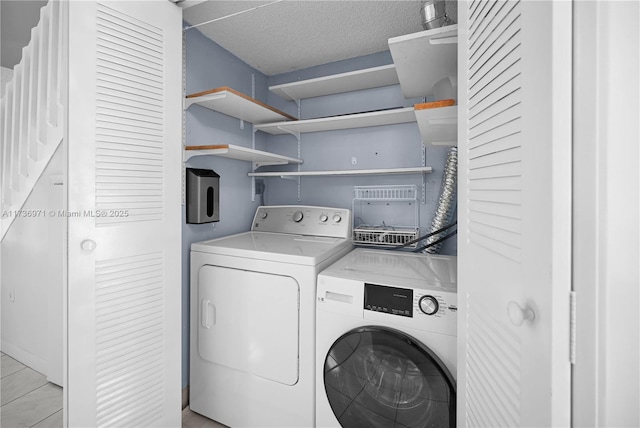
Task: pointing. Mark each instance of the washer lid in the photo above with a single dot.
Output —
(422, 271)
(380, 377)
(278, 247)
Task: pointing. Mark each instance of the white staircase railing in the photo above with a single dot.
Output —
(32, 113)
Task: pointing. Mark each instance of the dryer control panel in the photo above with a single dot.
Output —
(303, 220)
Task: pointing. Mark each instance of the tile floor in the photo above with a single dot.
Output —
(27, 400)
(194, 420)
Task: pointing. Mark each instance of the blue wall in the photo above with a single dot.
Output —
(210, 66)
(375, 147)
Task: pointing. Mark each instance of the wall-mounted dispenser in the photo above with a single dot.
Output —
(203, 196)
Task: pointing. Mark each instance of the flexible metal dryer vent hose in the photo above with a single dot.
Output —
(446, 207)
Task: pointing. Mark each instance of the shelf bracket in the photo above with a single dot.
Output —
(184, 117)
(288, 131)
(299, 104)
(424, 176)
(269, 163)
(254, 165)
(290, 95)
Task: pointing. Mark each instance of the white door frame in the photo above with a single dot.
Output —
(606, 381)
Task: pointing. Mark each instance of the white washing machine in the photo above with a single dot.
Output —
(386, 341)
(253, 316)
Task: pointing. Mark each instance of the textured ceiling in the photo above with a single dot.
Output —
(295, 34)
(277, 38)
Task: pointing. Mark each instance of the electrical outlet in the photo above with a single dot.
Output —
(354, 160)
(12, 295)
(259, 187)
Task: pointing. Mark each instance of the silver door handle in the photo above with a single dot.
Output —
(518, 315)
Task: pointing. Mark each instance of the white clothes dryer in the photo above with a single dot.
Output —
(386, 341)
(252, 361)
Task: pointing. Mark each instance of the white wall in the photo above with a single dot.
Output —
(6, 74)
(32, 277)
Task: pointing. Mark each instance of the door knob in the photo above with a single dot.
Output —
(88, 245)
(518, 315)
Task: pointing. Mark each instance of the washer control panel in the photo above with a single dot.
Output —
(408, 302)
(390, 300)
(303, 220)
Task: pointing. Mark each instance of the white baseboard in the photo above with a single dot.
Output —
(34, 362)
(185, 397)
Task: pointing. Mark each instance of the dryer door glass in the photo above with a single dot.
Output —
(380, 377)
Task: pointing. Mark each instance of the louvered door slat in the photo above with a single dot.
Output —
(497, 77)
(498, 212)
(506, 142)
(504, 42)
(488, 29)
(507, 110)
(496, 65)
(502, 222)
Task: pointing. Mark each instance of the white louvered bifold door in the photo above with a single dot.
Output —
(124, 201)
(514, 213)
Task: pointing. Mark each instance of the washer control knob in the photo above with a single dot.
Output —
(264, 215)
(324, 218)
(428, 305)
(337, 218)
(297, 216)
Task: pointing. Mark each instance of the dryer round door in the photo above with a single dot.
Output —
(381, 377)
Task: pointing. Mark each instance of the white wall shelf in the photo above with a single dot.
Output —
(421, 59)
(349, 121)
(236, 104)
(438, 126)
(240, 153)
(375, 77)
(345, 172)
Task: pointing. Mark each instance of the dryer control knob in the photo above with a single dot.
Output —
(324, 218)
(428, 305)
(337, 218)
(297, 216)
(264, 215)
